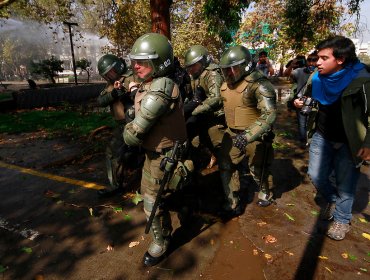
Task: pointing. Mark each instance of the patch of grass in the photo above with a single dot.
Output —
(6, 95)
(66, 122)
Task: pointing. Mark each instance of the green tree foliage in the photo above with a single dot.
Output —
(14, 56)
(283, 24)
(269, 25)
(189, 28)
(223, 16)
(49, 68)
(316, 19)
(84, 64)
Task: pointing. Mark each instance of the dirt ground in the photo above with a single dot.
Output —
(54, 226)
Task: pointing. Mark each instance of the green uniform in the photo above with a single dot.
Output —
(250, 110)
(206, 119)
(158, 123)
(118, 108)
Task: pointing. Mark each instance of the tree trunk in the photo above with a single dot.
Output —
(160, 12)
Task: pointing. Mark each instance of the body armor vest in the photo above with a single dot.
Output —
(169, 127)
(240, 105)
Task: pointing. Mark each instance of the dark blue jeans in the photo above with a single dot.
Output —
(302, 126)
(334, 174)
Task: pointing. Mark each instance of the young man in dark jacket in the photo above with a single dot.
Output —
(341, 128)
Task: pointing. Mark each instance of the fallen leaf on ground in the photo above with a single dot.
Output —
(28, 250)
(352, 257)
(261, 224)
(328, 269)
(51, 194)
(362, 220)
(137, 198)
(366, 235)
(109, 248)
(268, 257)
(314, 212)
(133, 244)
(142, 238)
(363, 269)
(127, 217)
(290, 204)
(91, 212)
(289, 217)
(255, 252)
(323, 257)
(269, 239)
(289, 253)
(344, 255)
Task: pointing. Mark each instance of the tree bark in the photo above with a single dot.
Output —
(160, 14)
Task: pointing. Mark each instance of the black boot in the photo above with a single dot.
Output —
(148, 260)
(104, 193)
(264, 199)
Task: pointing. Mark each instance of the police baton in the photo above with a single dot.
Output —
(168, 169)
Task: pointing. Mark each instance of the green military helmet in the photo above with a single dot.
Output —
(155, 50)
(235, 63)
(196, 60)
(111, 67)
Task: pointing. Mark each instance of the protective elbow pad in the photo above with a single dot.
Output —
(152, 107)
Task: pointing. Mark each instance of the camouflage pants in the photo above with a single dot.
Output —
(234, 164)
(113, 154)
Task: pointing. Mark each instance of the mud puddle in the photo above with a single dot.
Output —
(236, 258)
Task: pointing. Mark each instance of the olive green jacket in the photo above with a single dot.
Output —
(355, 104)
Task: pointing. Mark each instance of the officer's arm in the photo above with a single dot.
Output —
(214, 81)
(213, 101)
(109, 95)
(266, 99)
(153, 106)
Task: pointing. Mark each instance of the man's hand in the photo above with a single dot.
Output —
(133, 86)
(298, 103)
(364, 153)
(117, 85)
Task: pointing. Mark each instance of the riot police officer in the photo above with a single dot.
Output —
(206, 80)
(249, 103)
(115, 95)
(159, 123)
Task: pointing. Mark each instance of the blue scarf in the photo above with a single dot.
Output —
(328, 88)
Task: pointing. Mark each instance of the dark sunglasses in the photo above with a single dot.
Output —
(312, 59)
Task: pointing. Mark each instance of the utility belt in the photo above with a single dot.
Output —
(181, 174)
(236, 131)
(182, 151)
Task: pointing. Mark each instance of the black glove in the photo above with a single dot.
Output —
(240, 142)
(117, 93)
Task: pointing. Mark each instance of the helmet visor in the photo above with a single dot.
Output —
(143, 68)
(234, 73)
(195, 69)
(111, 75)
